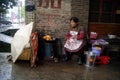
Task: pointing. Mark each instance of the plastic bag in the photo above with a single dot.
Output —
(102, 60)
(93, 35)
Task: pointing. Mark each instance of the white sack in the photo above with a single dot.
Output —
(20, 39)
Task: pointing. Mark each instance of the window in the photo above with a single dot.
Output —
(104, 11)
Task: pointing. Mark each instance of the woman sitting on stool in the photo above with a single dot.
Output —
(74, 40)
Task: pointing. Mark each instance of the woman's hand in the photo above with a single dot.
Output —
(68, 36)
(80, 35)
(68, 41)
(74, 37)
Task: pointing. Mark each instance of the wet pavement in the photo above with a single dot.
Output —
(56, 71)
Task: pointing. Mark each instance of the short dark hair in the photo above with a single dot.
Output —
(75, 19)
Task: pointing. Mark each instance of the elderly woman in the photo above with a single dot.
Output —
(74, 40)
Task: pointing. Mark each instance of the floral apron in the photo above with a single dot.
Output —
(72, 44)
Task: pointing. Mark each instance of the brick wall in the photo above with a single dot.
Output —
(80, 9)
(52, 16)
(30, 16)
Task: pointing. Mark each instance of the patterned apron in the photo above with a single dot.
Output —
(72, 44)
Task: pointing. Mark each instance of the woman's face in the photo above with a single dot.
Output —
(72, 23)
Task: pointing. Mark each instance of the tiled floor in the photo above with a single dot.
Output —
(57, 71)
